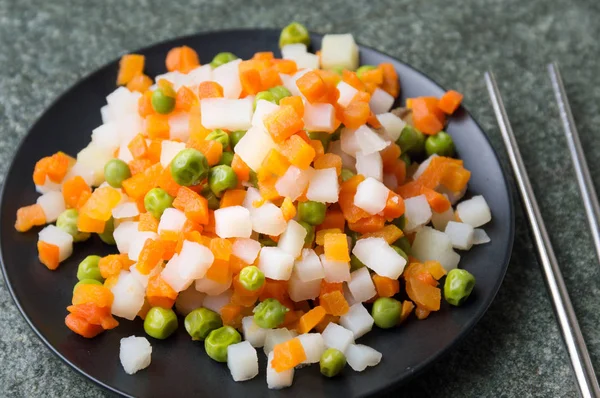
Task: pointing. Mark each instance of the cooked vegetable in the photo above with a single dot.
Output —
(219, 136)
(458, 286)
(439, 144)
(88, 269)
(312, 212)
(107, 233)
(411, 140)
(386, 312)
(67, 221)
(160, 322)
(279, 92)
(222, 59)
(87, 282)
(332, 362)
(156, 201)
(219, 340)
(115, 172)
(200, 322)
(294, 33)
(226, 159)
(163, 100)
(235, 137)
(189, 167)
(221, 178)
(269, 314)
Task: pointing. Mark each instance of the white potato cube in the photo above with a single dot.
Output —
(137, 243)
(381, 101)
(246, 250)
(253, 333)
(370, 165)
(480, 237)
(56, 236)
(361, 285)
(349, 141)
(308, 267)
(194, 260)
(371, 196)
(299, 290)
(360, 356)
(268, 219)
(347, 94)
(293, 49)
(319, 117)
(369, 141)
(170, 274)
(276, 336)
(179, 127)
(278, 380)
(125, 210)
(224, 113)
(433, 245)
(198, 75)
(263, 109)
(276, 263)
(392, 125)
(338, 337)
(348, 161)
(233, 222)
(171, 220)
(53, 204)
(339, 51)
(212, 288)
(423, 166)
(215, 303)
(335, 271)
(474, 211)
(292, 240)
(242, 361)
(307, 60)
(168, 150)
(254, 147)
(228, 76)
(124, 233)
(323, 186)
(92, 159)
(460, 234)
(294, 182)
(189, 300)
(417, 212)
(440, 220)
(377, 255)
(107, 135)
(141, 278)
(128, 295)
(135, 354)
(357, 320)
(314, 346)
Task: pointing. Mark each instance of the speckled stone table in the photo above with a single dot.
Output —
(516, 349)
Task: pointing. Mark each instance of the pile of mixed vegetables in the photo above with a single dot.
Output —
(279, 198)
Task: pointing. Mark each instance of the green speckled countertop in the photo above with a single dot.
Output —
(516, 349)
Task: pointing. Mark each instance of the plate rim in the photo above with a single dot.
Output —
(418, 369)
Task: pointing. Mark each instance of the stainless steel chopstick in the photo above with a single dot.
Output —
(582, 172)
(580, 358)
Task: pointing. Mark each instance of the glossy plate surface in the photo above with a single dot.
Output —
(179, 366)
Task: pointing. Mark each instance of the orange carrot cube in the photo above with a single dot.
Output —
(130, 66)
(297, 152)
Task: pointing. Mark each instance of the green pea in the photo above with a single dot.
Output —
(363, 69)
(213, 202)
(338, 70)
(386, 312)
(346, 175)
(411, 141)
(222, 59)
(403, 244)
(67, 221)
(310, 233)
(221, 178)
(253, 179)
(115, 172)
(269, 314)
(107, 235)
(235, 137)
(332, 362)
(400, 222)
(189, 167)
(458, 286)
(439, 144)
(87, 282)
(220, 136)
(264, 95)
(355, 263)
(226, 158)
(163, 101)
(406, 159)
(400, 252)
(294, 33)
(156, 201)
(200, 322)
(88, 269)
(252, 278)
(266, 241)
(218, 340)
(279, 92)
(160, 322)
(312, 212)
(322, 136)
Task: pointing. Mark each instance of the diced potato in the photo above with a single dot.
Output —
(339, 51)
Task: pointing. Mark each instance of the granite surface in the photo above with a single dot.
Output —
(516, 349)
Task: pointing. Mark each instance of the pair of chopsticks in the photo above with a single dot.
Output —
(580, 358)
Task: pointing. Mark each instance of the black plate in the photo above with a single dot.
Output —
(179, 366)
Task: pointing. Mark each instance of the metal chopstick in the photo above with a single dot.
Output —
(582, 172)
(577, 350)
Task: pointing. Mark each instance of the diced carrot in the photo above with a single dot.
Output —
(334, 219)
(157, 126)
(394, 206)
(239, 288)
(311, 319)
(219, 271)
(374, 76)
(99, 206)
(87, 224)
(138, 185)
(390, 82)
(29, 216)
(210, 89)
(400, 171)
(297, 151)
(233, 197)
(99, 295)
(277, 290)
(407, 308)
(373, 121)
(328, 161)
(422, 313)
(130, 66)
(295, 101)
(285, 66)
(410, 189)
(213, 150)
(368, 224)
(326, 321)
(269, 77)
(287, 355)
(356, 114)
(352, 79)
(182, 59)
(320, 236)
(386, 287)
(438, 202)
(390, 233)
(334, 303)
(263, 56)
(455, 178)
(250, 79)
(138, 165)
(450, 101)
(145, 107)
(113, 264)
(241, 169)
(150, 256)
(274, 163)
(74, 190)
(138, 147)
(231, 315)
(82, 327)
(288, 209)
(236, 264)
(166, 182)
(194, 206)
(312, 86)
(317, 145)
(154, 150)
(48, 254)
(185, 99)
(221, 248)
(159, 293)
(427, 117)
(389, 157)
(348, 188)
(53, 167)
(283, 123)
(291, 320)
(423, 294)
(139, 83)
(336, 247)
(94, 315)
